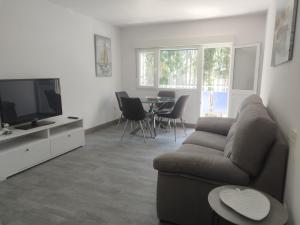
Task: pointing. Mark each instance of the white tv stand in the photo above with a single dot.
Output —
(26, 148)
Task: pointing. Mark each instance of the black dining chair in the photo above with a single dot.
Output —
(167, 105)
(133, 111)
(176, 113)
(119, 95)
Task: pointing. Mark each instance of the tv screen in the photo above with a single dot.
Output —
(29, 100)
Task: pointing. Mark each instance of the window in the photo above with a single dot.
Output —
(146, 68)
(178, 68)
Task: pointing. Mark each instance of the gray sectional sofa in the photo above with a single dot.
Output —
(248, 150)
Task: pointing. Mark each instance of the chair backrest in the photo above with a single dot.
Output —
(170, 94)
(166, 105)
(133, 109)
(179, 107)
(119, 95)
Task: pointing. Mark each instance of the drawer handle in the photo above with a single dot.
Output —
(27, 150)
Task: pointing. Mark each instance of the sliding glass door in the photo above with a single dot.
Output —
(215, 84)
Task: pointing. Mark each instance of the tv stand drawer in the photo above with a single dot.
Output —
(66, 141)
(23, 157)
(36, 153)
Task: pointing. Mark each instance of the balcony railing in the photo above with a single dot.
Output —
(214, 101)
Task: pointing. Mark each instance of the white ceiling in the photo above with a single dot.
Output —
(128, 12)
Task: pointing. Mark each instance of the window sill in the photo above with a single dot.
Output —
(166, 89)
(188, 89)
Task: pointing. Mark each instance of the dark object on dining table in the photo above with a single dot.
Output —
(166, 105)
(133, 111)
(153, 98)
(119, 95)
(176, 112)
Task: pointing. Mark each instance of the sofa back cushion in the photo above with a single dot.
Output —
(251, 139)
(231, 131)
(251, 99)
(230, 138)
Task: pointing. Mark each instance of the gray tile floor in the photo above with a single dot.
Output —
(106, 182)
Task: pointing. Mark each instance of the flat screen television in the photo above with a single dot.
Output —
(28, 101)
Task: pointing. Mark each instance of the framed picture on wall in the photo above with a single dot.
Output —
(103, 59)
(284, 34)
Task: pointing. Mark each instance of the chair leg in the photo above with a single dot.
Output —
(124, 130)
(157, 126)
(141, 124)
(174, 123)
(150, 130)
(120, 120)
(164, 123)
(154, 126)
(183, 126)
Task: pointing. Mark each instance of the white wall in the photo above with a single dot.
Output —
(280, 92)
(240, 30)
(39, 39)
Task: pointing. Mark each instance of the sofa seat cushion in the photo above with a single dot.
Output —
(207, 139)
(202, 162)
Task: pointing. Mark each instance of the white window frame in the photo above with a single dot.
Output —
(138, 51)
(256, 69)
(198, 48)
(157, 75)
(237, 93)
(225, 45)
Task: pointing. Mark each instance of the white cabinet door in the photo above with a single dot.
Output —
(244, 75)
(37, 153)
(12, 161)
(62, 143)
(17, 159)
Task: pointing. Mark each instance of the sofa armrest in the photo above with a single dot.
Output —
(215, 125)
(214, 167)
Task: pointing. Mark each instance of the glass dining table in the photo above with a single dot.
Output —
(154, 104)
(154, 101)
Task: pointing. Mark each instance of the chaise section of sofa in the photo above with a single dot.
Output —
(246, 150)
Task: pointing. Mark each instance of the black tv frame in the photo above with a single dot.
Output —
(35, 122)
